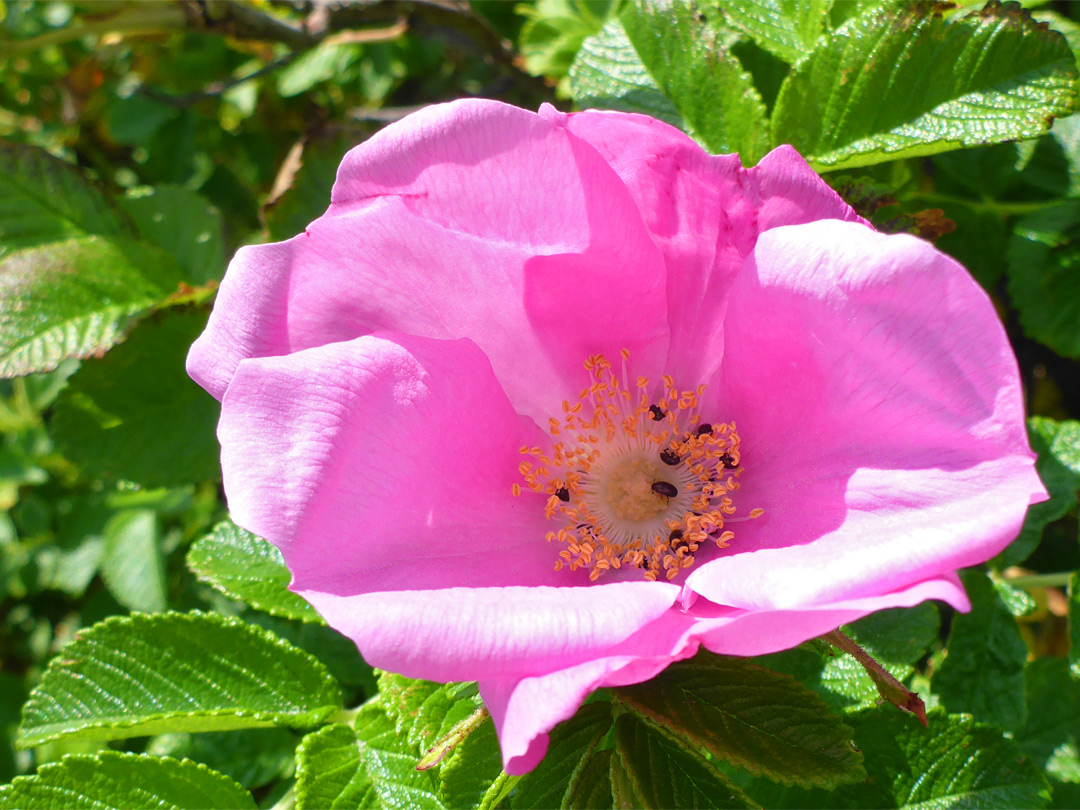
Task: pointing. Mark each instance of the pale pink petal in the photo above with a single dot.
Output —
(385, 462)
(879, 407)
(472, 219)
(460, 634)
(382, 468)
(705, 212)
(525, 710)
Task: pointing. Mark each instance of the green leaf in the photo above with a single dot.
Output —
(139, 675)
(45, 200)
(591, 790)
(132, 565)
(900, 81)
(111, 779)
(329, 773)
(75, 298)
(253, 757)
(71, 275)
(648, 770)
(136, 415)
(691, 62)
(668, 61)
(559, 778)
(788, 29)
(895, 638)
(1058, 465)
(184, 225)
(607, 73)
(1043, 268)
(954, 762)
(1051, 736)
(554, 31)
(983, 671)
(760, 720)
(322, 62)
(468, 773)
(246, 567)
(423, 711)
(390, 760)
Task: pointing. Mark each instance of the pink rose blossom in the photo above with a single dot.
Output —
(402, 407)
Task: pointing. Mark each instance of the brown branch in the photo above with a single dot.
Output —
(449, 19)
(888, 687)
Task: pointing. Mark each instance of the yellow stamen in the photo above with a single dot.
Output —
(637, 482)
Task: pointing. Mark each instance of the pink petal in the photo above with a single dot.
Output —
(525, 710)
(470, 219)
(880, 411)
(705, 212)
(461, 634)
(385, 462)
(382, 468)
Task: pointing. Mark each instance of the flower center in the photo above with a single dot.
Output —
(635, 477)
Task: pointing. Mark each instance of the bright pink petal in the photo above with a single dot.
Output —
(384, 463)
(382, 468)
(472, 219)
(880, 411)
(460, 634)
(705, 212)
(525, 710)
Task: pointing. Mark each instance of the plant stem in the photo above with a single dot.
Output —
(888, 687)
(998, 207)
(1058, 580)
(149, 19)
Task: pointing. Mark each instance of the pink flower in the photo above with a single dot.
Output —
(845, 430)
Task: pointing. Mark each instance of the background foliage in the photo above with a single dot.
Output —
(149, 650)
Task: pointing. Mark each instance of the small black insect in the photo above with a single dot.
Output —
(664, 488)
(704, 428)
(563, 494)
(728, 461)
(669, 457)
(657, 412)
(676, 534)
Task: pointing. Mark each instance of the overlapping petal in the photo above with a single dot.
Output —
(524, 710)
(472, 219)
(880, 406)
(705, 212)
(382, 467)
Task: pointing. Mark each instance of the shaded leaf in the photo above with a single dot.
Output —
(763, 721)
(649, 770)
(183, 225)
(253, 757)
(1055, 443)
(44, 200)
(132, 565)
(1044, 276)
(558, 779)
(136, 415)
(983, 672)
(1051, 736)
